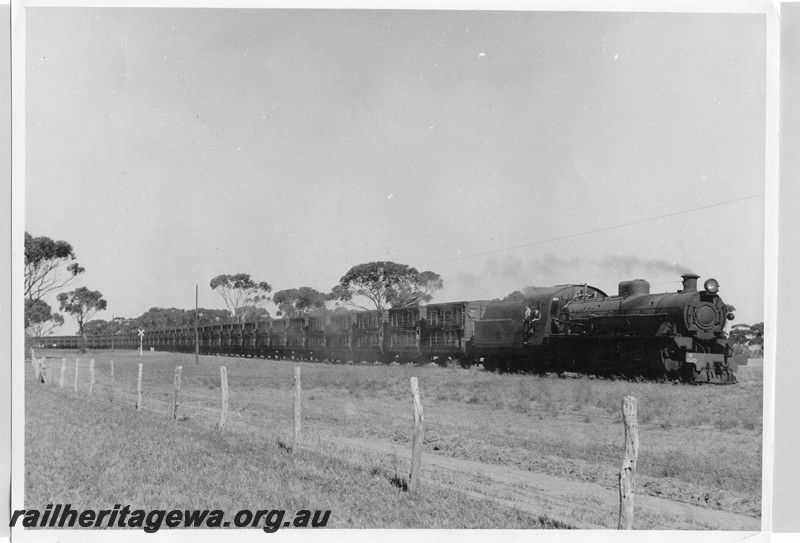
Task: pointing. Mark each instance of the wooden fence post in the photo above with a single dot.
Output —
(112, 380)
(627, 475)
(297, 413)
(63, 369)
(75, 384)
(35, 364)
(91, 376)
(44, 374)
(418, 436)
(223, 380)
(139, 389)
(177, 382)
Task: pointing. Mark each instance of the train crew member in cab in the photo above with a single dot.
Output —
(531, 312)
(531, 315)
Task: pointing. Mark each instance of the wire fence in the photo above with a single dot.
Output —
(199, 397)
(161, 381)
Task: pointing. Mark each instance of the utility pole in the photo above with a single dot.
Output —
(196, 336)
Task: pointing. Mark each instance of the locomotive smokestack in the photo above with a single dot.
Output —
(689, 282)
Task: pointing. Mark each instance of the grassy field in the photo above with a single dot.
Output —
(85, 454)
(698, 444)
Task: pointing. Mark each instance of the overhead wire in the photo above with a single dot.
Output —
(565, 236)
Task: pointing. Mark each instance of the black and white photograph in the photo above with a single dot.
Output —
(491, 267)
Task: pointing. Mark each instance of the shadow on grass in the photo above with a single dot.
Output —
(402, 484)
(394, 480)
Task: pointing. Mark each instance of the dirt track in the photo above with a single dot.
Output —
(576, 503)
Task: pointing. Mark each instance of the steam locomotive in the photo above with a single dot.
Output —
(579, 328)
(566, 328)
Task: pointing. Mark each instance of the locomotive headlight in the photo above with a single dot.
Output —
(711, 285)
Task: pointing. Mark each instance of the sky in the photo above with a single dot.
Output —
(500, 149)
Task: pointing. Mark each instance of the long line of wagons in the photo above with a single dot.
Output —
(571, 327)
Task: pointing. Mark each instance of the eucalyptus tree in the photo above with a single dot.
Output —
(40, 319)
(49, 266)
(82, 304)
(387, 284)
(294, 302)
(241, 294)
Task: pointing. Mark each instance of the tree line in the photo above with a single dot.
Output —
(373, 285)
(51, 265)
(377, 285)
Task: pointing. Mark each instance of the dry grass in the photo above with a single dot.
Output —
(700, 444)
(78, 451)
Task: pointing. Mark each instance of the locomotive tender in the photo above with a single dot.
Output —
(576, 328)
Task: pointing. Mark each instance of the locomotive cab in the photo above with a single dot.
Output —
(519, 330)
